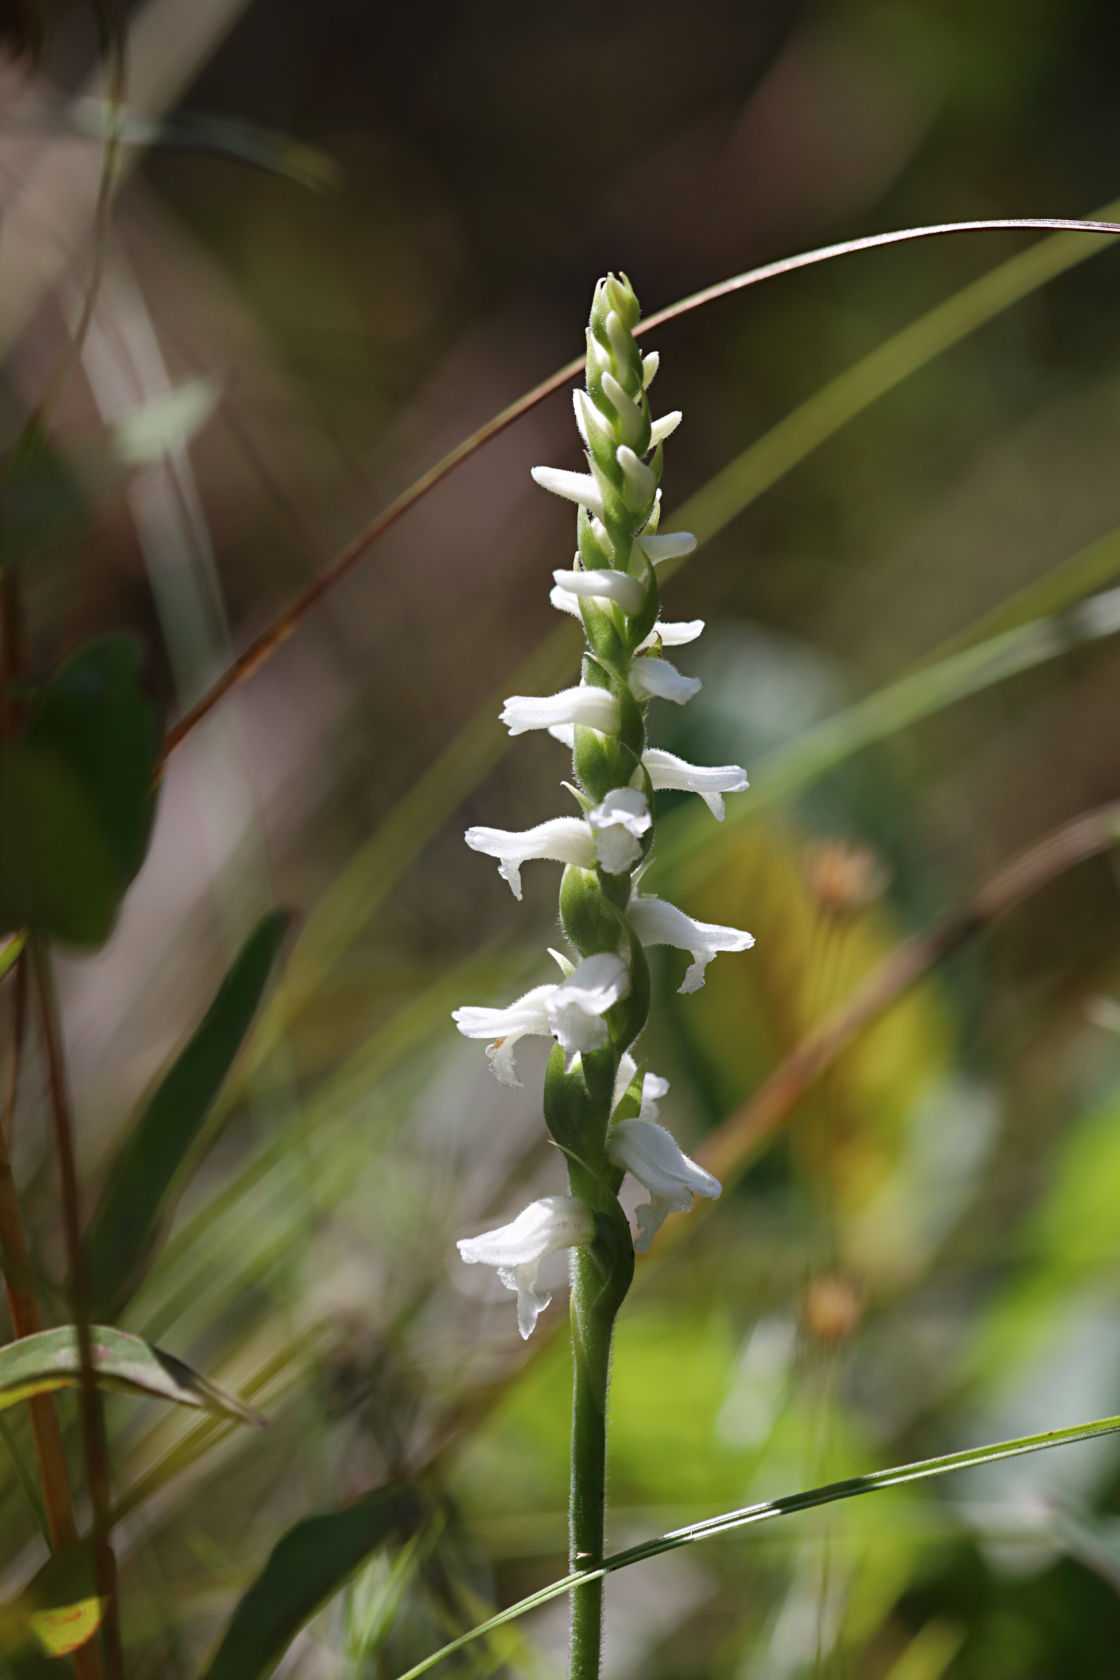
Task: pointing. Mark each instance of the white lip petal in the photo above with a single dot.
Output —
(577, 1005)
(517, 1249)
(574, 487)
(594, 707)
(656, 679)
(564, 601)
(711, 782)
(619, 822)
(674, 545)
(605, 584)
(565, 733)
(659, 1163)
(658, 923)
(560, 839)
(526, 1016)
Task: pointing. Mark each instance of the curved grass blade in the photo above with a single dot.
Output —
(1073, 241)
(125, 1225)
(305, 1568)
(874, 1482)
(51, 1360)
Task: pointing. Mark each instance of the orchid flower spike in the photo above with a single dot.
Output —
(571, 1012)
(659, 1163)
(516, 1250)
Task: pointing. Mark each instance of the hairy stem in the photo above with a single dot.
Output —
(592, 1323)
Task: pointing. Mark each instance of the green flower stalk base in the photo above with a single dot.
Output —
(600, 1105)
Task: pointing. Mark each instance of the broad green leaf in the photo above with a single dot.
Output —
(77, 796)
(125, 1226)
(50, 1360)
(305, 1568)
(874, 1481)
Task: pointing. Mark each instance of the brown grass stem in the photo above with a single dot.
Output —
(93, 1434)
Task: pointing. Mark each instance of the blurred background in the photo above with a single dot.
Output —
(344, 237)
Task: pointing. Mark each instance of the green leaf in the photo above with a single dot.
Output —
(78, 796)
(126, 1223)
(874, 1482)
(305, 1568)
(50, 1359)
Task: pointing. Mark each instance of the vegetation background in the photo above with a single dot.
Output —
(365, 229)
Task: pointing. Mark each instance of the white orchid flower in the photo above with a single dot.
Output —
(618, 822)
(596, 708)
(561, 839)
(658, 923)
(516, 1250)
(673, 634)
(574, 487)
(674, 545)
(571, 1012)
(656, 679)
(653, 1087)
(659, 1163)
(666, 770)
(603, 584)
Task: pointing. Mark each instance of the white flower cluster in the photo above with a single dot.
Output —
(610, 836)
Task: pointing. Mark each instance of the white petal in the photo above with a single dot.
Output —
(665, 427)
(619, 822)
(605, 584)
(640, 483)
(627, 1069)
(666, 770)
(658, 923)
(656, 1160)
(595, 707)
(561, 839)
(516, 1250)
(602, 536)
(564, 601)
(574, 487)
(565, 733)
(650, 365)
(577, 1005)
(505, 1027)
(657, 679)
(676, 634)
(674, 545)
(630, 420)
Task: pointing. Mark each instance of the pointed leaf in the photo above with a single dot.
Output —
(312, 1561)
(125, 1225)
(50, 1359)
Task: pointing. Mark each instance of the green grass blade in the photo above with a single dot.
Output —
(305, 1568)
(874, 1482)
(790, 768)
(126, 1222)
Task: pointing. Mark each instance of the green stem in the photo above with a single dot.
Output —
(592, 1322)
